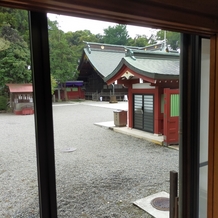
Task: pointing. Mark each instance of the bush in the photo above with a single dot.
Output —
(3, 103)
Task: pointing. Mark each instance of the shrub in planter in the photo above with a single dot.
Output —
(3, 103)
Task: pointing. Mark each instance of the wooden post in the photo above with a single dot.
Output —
(173, 192)
(176, 214)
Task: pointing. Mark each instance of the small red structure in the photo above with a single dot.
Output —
(152, 79)
(73, 88)
(21, 98)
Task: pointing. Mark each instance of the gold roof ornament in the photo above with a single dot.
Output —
(127, 75)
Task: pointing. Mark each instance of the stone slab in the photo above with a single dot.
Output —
(145, 204)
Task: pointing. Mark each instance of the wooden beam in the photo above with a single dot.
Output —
(187, 16)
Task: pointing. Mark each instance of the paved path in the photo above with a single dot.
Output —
(110, 124)
(126, 130)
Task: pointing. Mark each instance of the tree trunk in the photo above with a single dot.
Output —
(65, 92)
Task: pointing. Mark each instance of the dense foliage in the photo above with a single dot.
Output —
(15, 59)
(53, 84)
(3, 103)
(172, 38)
(76, 42)
(14, 52)
(62, 64)
(16, 19)
(117, 35)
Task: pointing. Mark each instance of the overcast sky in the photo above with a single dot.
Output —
(73, 24)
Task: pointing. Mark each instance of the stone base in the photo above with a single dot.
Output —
(113, 99)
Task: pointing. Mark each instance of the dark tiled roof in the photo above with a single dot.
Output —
(156, 65)
(105, 57)
(104, 61)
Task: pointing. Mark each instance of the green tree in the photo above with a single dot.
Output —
(117, 35)
(14, 60)
(76, 42)
(4, 44)
(172, 38)
(16, 19)
(63, 67)
(77, 38)
(53, 84)
(138, 41)
(3, 103)
(100, 38)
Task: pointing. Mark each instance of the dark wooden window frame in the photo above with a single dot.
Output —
(189, 120)
(201, 23)
(43, 114)
(189, 148)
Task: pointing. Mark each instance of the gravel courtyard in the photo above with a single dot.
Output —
(100, 178)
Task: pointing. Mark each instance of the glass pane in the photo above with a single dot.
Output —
(204, 113)
(99, 172)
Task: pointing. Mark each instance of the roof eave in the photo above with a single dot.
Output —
(139, 73)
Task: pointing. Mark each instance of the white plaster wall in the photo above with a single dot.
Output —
(143, 86)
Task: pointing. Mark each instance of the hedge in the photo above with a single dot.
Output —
(3, 103)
